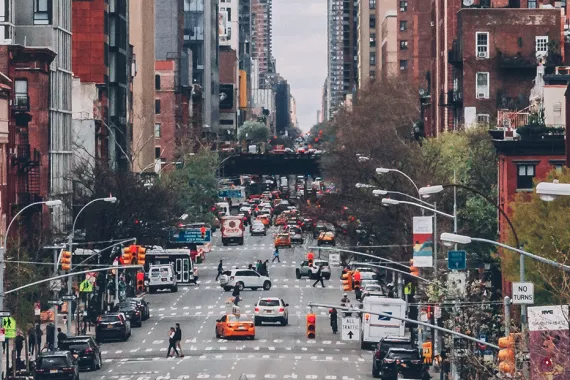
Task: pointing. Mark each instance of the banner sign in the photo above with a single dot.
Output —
(423, 255)
(422, 229)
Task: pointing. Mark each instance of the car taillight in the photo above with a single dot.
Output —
(89, 351)
(398, 361)
(231, 278)
(281, 310)
(388, 361)
(98, 320)
(256, 309)
(377, 354)
(416, 361)
(138, 312)
(40, 370)
(68, 369)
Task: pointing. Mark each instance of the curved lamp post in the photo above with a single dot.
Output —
(379, 192)
(548, 191)
(387, 170)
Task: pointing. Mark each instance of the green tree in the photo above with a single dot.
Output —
(253, 131)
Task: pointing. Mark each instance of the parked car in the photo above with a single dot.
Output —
(112, 326)
(131, 311)
(271, 309)
(142, 305)
(244, 278)
(56, 365)
(85, 350)
(304, 270)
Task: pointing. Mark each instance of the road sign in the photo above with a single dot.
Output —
(334, 259)
(68, 298)
(37, 309)
(4, 314)
(523, 293)
(350, 328)
(55, 302)
(190, 235)
(457, 260)
(86, 286)
(9, 325)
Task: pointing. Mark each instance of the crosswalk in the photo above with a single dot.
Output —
(155, 375)
(199, 311)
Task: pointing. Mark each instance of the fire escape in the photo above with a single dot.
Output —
(26, 161)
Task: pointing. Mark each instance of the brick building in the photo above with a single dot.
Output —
(25, 161)
(228, 92)
(520, 162)
(166, 130)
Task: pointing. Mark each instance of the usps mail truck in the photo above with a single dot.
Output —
(375, 327)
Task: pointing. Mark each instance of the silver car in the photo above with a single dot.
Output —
(304, 270)
(258, 228)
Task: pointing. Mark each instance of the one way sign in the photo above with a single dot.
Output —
(350, 328)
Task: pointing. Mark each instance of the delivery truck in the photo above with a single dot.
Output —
(232, 229)
(375, 327)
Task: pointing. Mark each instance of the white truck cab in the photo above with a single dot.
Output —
(375, 327)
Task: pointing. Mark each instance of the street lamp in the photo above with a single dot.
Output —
(393, 202)
(387, 170)
(380, 192)
(364, 186)
(70, 243)
(463, 239)
(548, 191)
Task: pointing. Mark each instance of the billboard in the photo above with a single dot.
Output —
(223, 23)
(226, 96)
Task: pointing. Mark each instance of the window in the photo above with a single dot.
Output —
(482, 81)
(482, 44)
(525, 174)
(372, 39)
(157, 106)
(541, 46)
(403, 26)
(372, 4)
(157, 130)
(403, 44)
(372, 58)
(372, 22)
(372, 75)
(157, 82)
(483, 119)
(403, 6)
(42, 12)
(403, 64)
(157, 151)
(532, 3)
(21, 92)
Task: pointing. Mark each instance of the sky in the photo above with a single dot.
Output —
(300, 50)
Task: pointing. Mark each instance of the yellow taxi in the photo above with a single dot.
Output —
(281, 220)
(235, 325)
(326, 238)
(265, 219)
(283, 240)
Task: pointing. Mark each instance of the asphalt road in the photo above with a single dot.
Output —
(276, 353)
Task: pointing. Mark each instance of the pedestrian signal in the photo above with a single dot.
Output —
(347, 281)
(507, 354)
(66, 261)
(128, 255)
(311, 326)
(141, 256)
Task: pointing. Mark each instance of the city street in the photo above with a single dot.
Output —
(276, 353)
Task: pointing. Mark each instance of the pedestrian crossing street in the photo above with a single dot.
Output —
(199, 311)
(282, 264)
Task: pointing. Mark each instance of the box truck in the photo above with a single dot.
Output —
(375, 327)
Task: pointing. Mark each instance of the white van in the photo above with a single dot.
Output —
(162, 277)
(224, 207)
(375, 327)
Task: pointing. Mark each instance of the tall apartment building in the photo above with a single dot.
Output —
(244, 53)
(201, 37)
(42, 23)
(367, 21)
(342, 49)
(229, 66)
(261, 38)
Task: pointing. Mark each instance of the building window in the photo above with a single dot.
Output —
(482, 44)
(482, 81)
(42, 12)
(372, 75)
(157, 106)
(525, 175)
(21, 92)
(157, 130)
(157, 152)
(372, 58)
(403, 6)
(483, 119)
(157, 82)
(403, 26)
(372, 4)
(372, 39)
(541, 46)
(532, 4)
(403, 64)
(403, 44)
(372, 22)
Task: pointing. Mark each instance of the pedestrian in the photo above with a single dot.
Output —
(61, 336)
(235, 294)
(39, 334)
(426, 375)
(50, 336)
(31, 340)
(264, 271)
(220, 270)
(250, 266)
(276, 255)
(258, 266)
(19, 342)
(345, 302)
(334, 320)
(178, 339)
(171, 342)
(319, 277)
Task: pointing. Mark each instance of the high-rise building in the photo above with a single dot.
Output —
(245, 60)
(342, 52)
(42, 23)
(261, 38)
(366, 42)
(282, 107)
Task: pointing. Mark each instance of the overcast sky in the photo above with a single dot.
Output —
(300, 49)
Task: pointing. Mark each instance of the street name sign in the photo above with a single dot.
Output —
(334, 259)
(350, 328)
(55, 302)
(191, 235)
(457, 260)
(68, 298)
(523, 293)
(4, 314)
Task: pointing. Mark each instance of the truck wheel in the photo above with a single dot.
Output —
(225, 243)
(298, 274)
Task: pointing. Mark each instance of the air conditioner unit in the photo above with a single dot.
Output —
(482, 54)
(402, 9)
(481, 95)
(402, 68)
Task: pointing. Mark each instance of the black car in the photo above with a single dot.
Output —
(85, 350)
(56, 365)
(112, 326)
(142, 305)
(404, 361)
(131, 311)
(384, 345)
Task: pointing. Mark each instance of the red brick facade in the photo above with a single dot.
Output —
(414, 28)
(166, 108)
(89, 39)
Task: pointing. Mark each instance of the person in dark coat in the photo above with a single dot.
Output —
(31, 340)
(19, 343)
(263, 269)
(172, 342)
(319, 276)
(235, 294)
(334, 320)
(220, 270)
(39, 334)
(61, 336)
(50, 336)
(178, 338)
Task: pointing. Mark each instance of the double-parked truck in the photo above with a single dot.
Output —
(232, 229)
(376, 327)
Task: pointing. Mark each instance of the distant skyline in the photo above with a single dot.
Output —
(300, 49)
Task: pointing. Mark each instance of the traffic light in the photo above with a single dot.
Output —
(356, 279)
(141, 256)
(66, 260)
(507, 354)
(140, 281)
(311, 326)
(415, 271)
(128, 255)
(347, 281)
(203, 233)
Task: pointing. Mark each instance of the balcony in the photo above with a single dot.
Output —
(454, 98)
(21, 103)
(517, 61)
(454, 56)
